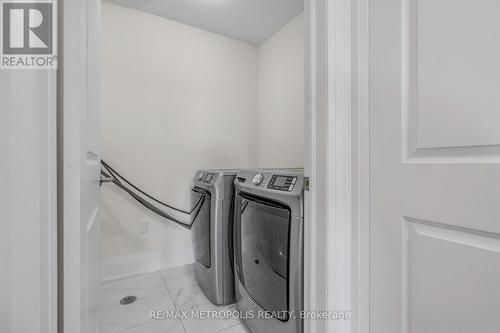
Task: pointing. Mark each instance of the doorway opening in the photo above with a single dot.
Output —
(190, 87)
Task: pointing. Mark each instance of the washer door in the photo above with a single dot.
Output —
(262, 252)
(200, 231)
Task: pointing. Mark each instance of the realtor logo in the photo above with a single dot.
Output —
(28, 34)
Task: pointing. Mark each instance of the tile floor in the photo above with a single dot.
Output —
(172, 289)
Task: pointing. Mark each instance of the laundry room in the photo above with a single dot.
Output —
(249, 166)
(197, 96)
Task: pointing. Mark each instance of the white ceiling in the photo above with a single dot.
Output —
(251, 21)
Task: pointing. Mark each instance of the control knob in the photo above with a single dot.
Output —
(257, 179)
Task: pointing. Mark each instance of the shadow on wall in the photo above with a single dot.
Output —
(122, 229)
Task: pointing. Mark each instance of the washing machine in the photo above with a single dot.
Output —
(268, 249)
(212, 234)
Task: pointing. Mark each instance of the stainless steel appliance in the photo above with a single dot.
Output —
(268, 249)
(212, 234)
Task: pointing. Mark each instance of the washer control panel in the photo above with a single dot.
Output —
(207, 178)
(282, 183)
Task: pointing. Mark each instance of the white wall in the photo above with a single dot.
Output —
(176, 100)
(5, 137)
(281, 97)
(27, 201)
(179, 99)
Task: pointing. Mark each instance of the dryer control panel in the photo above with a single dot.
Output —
(282, 183)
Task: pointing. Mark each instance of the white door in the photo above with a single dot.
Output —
(434, 166)
(82, 166)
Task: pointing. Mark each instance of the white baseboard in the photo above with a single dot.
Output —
(113, 268)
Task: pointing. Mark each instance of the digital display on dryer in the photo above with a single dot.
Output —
(282, 183)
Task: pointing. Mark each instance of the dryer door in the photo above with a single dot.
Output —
(262, 252)
(200, 230)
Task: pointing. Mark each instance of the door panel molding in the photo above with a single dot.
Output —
(413, 149)
(434, 243)
(440, 258)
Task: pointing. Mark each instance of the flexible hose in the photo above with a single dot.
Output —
(116, 180)
(117, 175)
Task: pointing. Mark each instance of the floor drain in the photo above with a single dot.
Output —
(128, 300)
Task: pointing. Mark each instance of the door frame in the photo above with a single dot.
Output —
(72, 48)
(74, 79)
(361, 167)
(337, 141)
